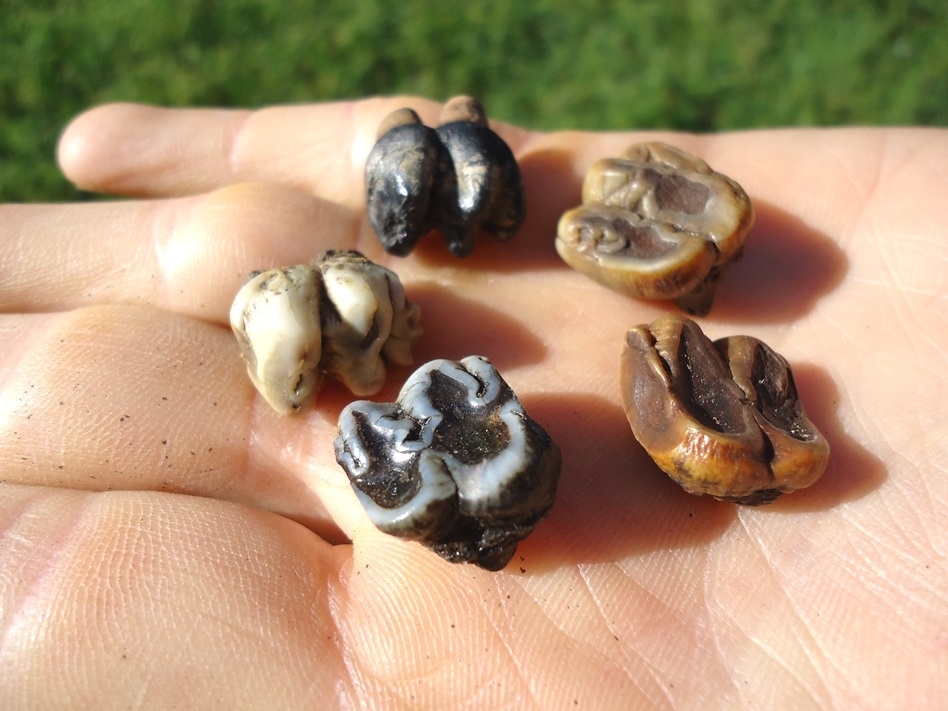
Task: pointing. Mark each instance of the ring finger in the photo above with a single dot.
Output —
(136, 398)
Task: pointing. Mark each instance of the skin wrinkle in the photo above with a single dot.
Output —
(903, 162)
(348, 687)
(933, 504)
(805, 204)
(16, 398)
(253, 561)
(528, 684)
(856, 423)
(876, 572)
(866, 187)
(897, 290)
(568, 637)
(871, 572)
(863, 189)
(360, 663)
(122, 542)
(848, 686)
(816, 652)
(926, 493)
(854, 684)
(487, 698)
(886, 498)
(771, 653)
(872, 578)
(918, 529)
(68, 543)
(758, 640)
(628, 647)
(873, 185)
(734, 682)
(337, 604)
(888, 279)
(904, 291)
(524, 677)
(714, 606)
(807, 646)
(596, 654)
(164, 224)
(234, 146)
(662, 602)
(548, 609)
(674, 612)
(14, 332)
(902, 167)
(240, 472)
(15, 617)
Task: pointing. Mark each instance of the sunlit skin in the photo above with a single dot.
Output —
(169, 541)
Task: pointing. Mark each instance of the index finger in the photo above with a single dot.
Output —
(133, 149)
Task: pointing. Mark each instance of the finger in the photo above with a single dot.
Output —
(120, 596)
(140, 150)
(192, 151)
(134, 398)
(188, 255)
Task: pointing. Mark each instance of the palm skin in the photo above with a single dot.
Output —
(169, 540)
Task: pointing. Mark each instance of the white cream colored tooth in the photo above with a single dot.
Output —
(358, 291)
(343, 317)
(371, 305)
(276, 320)
(355, 291)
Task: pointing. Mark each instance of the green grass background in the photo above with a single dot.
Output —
(698, 65)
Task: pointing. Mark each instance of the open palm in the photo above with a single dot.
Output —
(169, 540)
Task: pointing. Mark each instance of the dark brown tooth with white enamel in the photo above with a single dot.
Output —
(460, 179)
(455, 462)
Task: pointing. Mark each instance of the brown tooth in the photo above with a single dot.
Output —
(721, 418)
(657, 223)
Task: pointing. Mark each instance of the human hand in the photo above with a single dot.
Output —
(169, 540)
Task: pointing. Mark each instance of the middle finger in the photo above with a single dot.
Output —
(187, 255)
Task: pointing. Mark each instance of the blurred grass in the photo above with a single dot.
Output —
(699, 65)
